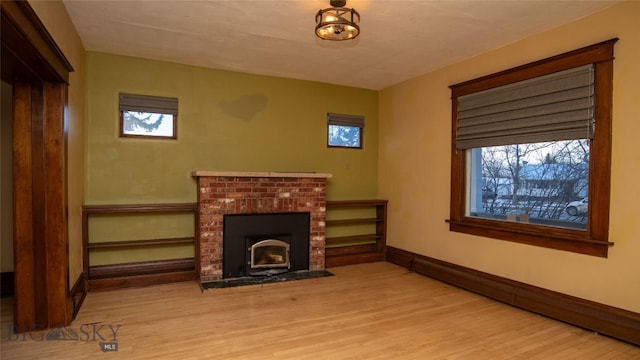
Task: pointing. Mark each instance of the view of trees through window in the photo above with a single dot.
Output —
(346, 136)
(544, 183)
(146, 123)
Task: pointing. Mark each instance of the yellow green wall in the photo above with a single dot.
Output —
(414, 163)
(226, 121)
(55, 18)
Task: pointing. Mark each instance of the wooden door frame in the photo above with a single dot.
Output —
(39, 74)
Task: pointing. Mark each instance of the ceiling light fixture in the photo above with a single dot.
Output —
(338, 22)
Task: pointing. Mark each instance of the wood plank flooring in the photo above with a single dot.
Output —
(367, 311)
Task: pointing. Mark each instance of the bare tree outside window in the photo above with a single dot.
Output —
(142, 123)
(538, 180)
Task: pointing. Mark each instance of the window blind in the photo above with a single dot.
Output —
(552, 107)
(345, 120)
(149, 104)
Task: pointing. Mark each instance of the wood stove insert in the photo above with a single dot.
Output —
(265, 244)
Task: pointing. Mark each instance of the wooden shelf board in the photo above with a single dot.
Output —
(355, 203)
(353, 221)
(139, 208)
(138, 243)
(338, 239)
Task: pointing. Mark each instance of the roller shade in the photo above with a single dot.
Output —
(552, 107)
(345, 120)
(150, 104)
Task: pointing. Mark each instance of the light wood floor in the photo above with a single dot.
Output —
(368, 311)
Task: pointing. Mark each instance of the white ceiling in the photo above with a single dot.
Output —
(400, 39)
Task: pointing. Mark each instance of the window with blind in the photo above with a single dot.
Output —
(344, 130)
(148, 116)
(531, 152)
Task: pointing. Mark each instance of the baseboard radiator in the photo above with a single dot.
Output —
(603, 319)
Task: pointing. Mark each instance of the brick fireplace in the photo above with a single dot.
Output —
(223, 193)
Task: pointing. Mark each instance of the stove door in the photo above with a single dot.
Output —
(270, 253)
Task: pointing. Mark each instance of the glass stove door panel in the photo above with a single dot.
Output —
(270, 253)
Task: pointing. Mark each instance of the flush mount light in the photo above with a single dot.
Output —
(337, 22)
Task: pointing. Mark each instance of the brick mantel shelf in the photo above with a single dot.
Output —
(266, 174)
(234, 192)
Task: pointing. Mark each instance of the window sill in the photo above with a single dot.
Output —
(559, 239)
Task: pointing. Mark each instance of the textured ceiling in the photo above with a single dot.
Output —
(400, 39)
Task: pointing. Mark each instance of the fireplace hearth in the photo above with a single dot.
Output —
(262, 280)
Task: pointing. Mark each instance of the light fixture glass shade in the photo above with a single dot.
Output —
(337, 23)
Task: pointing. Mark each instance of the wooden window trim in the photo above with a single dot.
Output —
(594, 240)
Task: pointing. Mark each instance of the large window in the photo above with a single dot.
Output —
(531, 152)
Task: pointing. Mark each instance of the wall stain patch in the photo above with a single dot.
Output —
(245, 107)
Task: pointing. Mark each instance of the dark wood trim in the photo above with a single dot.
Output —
(351, 250)
(117, 276)
(39, 73)
(23, 229)
(140, 280)
(355, 203)
(349, 255)
(32, 51)
(608, 320)
(40, 204)
(7, 284)
(500, 231)
(596, 53)
(139, 208)
(594, 240)
(352, 238)
(600, 165)
(352, 221)
(55, 200)
(137, 243)
(77, 294)
(140, 268)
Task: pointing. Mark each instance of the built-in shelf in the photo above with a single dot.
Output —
(360, 248)
(101, 277)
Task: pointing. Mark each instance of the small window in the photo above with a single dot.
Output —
(344, 130)
(531, 152)
(148, 116)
